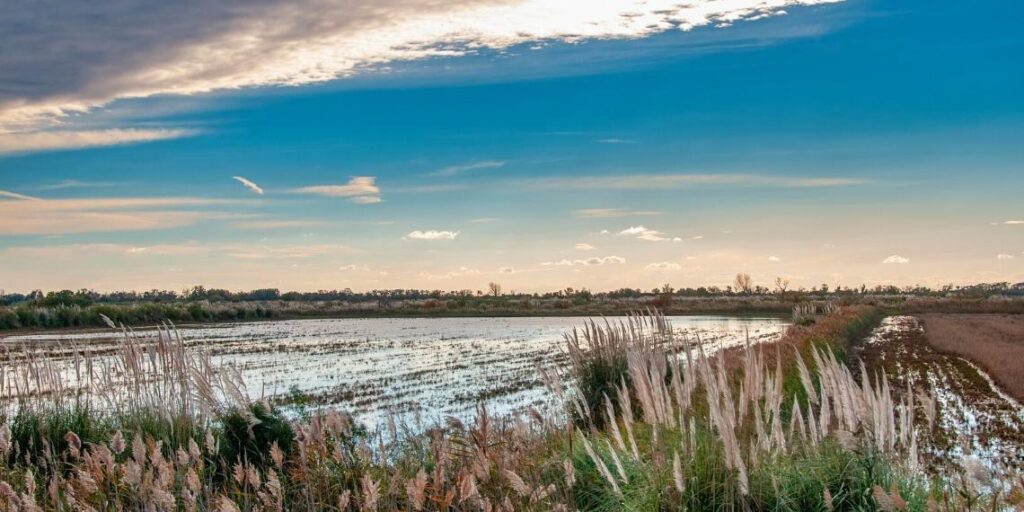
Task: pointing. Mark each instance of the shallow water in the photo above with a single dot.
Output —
(431, 367)
(976, 420)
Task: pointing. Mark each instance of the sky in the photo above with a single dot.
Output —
(540, 144)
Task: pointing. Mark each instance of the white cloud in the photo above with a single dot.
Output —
(1014, 222)
(603, 213)
(643, 233)
(432, 235)
(1004, 256)
(663, 266)
(73, 65)
(668, 181)
(584, 247)
(24, 142)
(475, 166)
(249, 184)
(20, 197)
(588, 262)
(360, 190)
(363, 269)
(616, 141)
(483, 220)
(774, 259)
(896, 259)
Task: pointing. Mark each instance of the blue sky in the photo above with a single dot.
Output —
(842, 142)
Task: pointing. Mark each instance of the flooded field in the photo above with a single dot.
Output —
(426, 367)
(975, 422)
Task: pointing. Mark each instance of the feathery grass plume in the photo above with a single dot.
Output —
(415, 490)
(371, 493)
(805, 378)
(617, 462)
(613, 425)
(517, 483)
(677, 473)
(627, 417)
(601, 467)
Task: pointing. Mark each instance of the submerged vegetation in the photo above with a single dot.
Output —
(649, 421)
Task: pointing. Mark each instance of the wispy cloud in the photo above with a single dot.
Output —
(359, 190)
(1004, 256)
(249, 184)
(15, 195)
(274, 224)
(105, 250)
(584, 247)
(663, 266)
(667, 181)
(616, 141)
(588, 262)
(605, 213)
(452, 274)
(69, 184)
(483, 220)
(1014, 222)
(774, 259)
(455, 170)
(216, 46)
(25, 142)
(363, 269)
(33, 216)
(896, 259)
(432, 235)
(286, 252)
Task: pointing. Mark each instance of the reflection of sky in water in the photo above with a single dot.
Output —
(431, 366)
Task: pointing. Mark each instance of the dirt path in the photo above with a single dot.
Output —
(974, 418)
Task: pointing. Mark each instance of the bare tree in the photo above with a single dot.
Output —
(494, 288)
(781, 285)
(744, 283)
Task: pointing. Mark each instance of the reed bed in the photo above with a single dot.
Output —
(670, 428)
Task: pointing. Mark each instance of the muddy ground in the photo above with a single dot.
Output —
(975, 418)
(993, 342)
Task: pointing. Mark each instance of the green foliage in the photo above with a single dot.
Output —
(248, 436)
(599, 378)
(39, 433)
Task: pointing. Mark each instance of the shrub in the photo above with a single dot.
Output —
(248, 435)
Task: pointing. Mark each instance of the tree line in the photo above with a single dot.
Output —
(743, 285)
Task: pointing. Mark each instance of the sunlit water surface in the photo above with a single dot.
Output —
(417, 368)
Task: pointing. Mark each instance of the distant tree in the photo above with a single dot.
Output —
(494, 289)
(744, 283)
(781, 285)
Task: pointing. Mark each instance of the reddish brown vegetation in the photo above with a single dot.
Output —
(994, 342)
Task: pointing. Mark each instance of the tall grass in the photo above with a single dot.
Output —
(670, 428)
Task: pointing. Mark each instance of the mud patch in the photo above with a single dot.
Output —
(974, 418)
